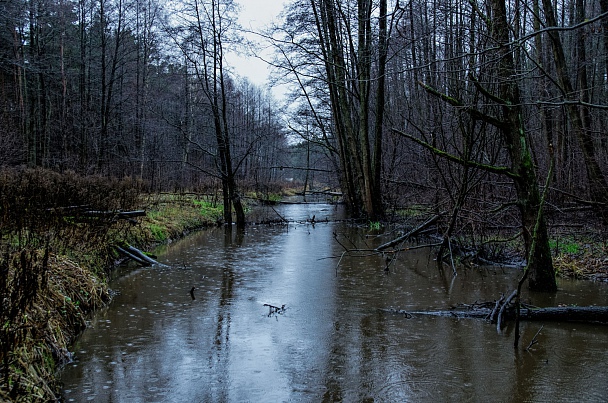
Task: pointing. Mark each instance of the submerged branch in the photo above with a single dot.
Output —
(409, 234)
(581, 314)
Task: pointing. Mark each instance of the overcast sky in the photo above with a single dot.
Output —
(254, 15)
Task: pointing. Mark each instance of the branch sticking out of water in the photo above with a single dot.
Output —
(411, 233)
(137, 255)
(273, 309)
(534, 339)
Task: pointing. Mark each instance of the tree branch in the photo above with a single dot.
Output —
(485, 92)
(468, 109)
(450, 157)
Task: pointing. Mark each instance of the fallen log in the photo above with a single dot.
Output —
(143, 256)
(581, 314)
(138, 256)
(86, 211)
(132, 256)
(411, 233)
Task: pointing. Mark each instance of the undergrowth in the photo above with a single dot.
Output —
(57, 237)
(581, 257)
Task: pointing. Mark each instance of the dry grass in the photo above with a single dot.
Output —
(52, 254)
(583, 267)
(581, 251)
(38, 336)
(53, 261)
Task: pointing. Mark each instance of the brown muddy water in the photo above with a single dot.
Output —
(155, 343)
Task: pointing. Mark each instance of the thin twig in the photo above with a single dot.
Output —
(280, 216)
(534, 339)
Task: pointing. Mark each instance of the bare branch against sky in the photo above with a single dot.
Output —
(255, 15)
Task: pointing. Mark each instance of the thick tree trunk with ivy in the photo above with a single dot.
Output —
(541, 271)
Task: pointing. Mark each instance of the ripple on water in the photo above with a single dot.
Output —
(331, 342)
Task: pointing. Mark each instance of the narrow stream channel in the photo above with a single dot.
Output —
(154, 343)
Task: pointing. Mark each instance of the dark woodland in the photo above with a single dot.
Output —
(487, 116)
(473, 108)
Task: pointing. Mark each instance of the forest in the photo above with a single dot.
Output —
(479, 109)
(465, 105)
(490, 115)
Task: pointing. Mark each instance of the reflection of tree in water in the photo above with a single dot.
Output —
(223, 317)
(335, 366)
(218, 359)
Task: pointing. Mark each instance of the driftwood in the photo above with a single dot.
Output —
(411, 233)
(138, 256)
(585, 314)
(273, 309)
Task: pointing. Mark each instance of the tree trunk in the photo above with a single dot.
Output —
(579, 119)
(541, 271)
(335, 68)
(380, 109)
(364, 80)
(218, 95)
(349, 84)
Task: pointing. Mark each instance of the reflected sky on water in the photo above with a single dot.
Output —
(154, 343)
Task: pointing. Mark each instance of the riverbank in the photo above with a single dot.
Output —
(55, 262)
(582, 260)
(156, 343)
(58, 238)
(578, 243)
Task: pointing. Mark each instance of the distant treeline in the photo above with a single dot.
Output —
(112, 88)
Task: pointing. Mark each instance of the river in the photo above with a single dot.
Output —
(154, 343)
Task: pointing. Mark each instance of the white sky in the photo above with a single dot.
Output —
(254, 15)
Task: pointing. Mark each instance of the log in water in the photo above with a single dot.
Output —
(155, 343)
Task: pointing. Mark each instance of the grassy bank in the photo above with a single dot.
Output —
(171, 216)
(583, 256)
(56, 241)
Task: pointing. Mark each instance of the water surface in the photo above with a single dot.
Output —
(154, 343)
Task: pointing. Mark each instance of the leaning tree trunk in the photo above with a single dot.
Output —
(541, 271)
